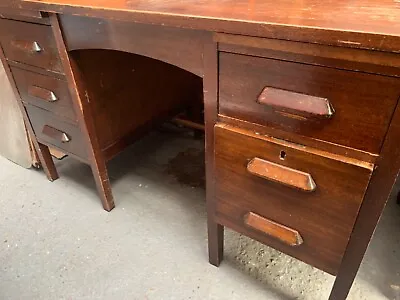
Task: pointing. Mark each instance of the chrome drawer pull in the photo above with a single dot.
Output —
(281, 174)
(56, 134)
(36, 47)
(41, 93)
(296, 103)
(284, 234)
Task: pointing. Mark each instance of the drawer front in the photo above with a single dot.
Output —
(44, 91)
(291, 199)
(29, 43)
(23, 15)
(348, 108)
(49, 129)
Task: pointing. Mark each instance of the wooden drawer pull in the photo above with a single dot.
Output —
(296, 103)
(285, 234)
(41, 93)
(32, 47)
(55, 134)
(281, 174)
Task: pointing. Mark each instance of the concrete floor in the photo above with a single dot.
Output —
(56, 242)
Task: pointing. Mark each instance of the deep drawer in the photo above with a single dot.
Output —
(288, 197)
(44, 91)
(31, 44)
(49, 129)
(349, 108)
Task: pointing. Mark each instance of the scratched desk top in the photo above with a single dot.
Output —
(371, 24)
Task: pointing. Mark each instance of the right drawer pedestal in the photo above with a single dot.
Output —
(277, 192)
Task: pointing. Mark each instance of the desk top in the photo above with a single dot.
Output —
(371, 24)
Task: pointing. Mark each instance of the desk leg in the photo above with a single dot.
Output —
(83, 111)
(103, 185)
(378, 192)
(215, 242)
(210, 87)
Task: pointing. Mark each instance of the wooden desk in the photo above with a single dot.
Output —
(301, 106)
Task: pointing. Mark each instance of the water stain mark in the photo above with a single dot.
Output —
(188, 167)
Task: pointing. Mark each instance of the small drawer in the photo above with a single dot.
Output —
(49, 129)
(288, 196)
(29, 43)
(348, 108)
(44, 91)
(23, 15)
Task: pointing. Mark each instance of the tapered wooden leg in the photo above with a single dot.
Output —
(103, 185)
(210, 83)
(82, 107)
(382, 181)
(47, 162)
(215, 242)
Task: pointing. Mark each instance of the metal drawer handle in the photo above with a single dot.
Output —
(28, 46)
(36, 47)
(41, 93)
(56, 134)
(281, 174)
(296, 103)
(284, 234)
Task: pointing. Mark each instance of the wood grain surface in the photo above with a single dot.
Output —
(369, 24)
(31, 44)
(324, 217)
(36, 89)
(363, 103)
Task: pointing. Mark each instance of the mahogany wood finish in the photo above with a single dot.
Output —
(44, 91)
(284, 234)
(363, 103)
(55, 134)
(214, 229)
(49, 129)
(323, 217)
(385, 63)
(144, 92)
(82, 107)
(31, 44)
(296, 103)
(301, 140)
(24, 15)
(375, 26)
(378, 192)
(305, 152)
(15, 10)
(281, 174)
(130, 93)
(41, 150)
(179, 47)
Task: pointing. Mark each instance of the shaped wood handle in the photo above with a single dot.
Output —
(41, 93)
(55, 134)
(285, 234)
(281, 174)
(296, 103)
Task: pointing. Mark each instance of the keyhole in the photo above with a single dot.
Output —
(282, 155)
